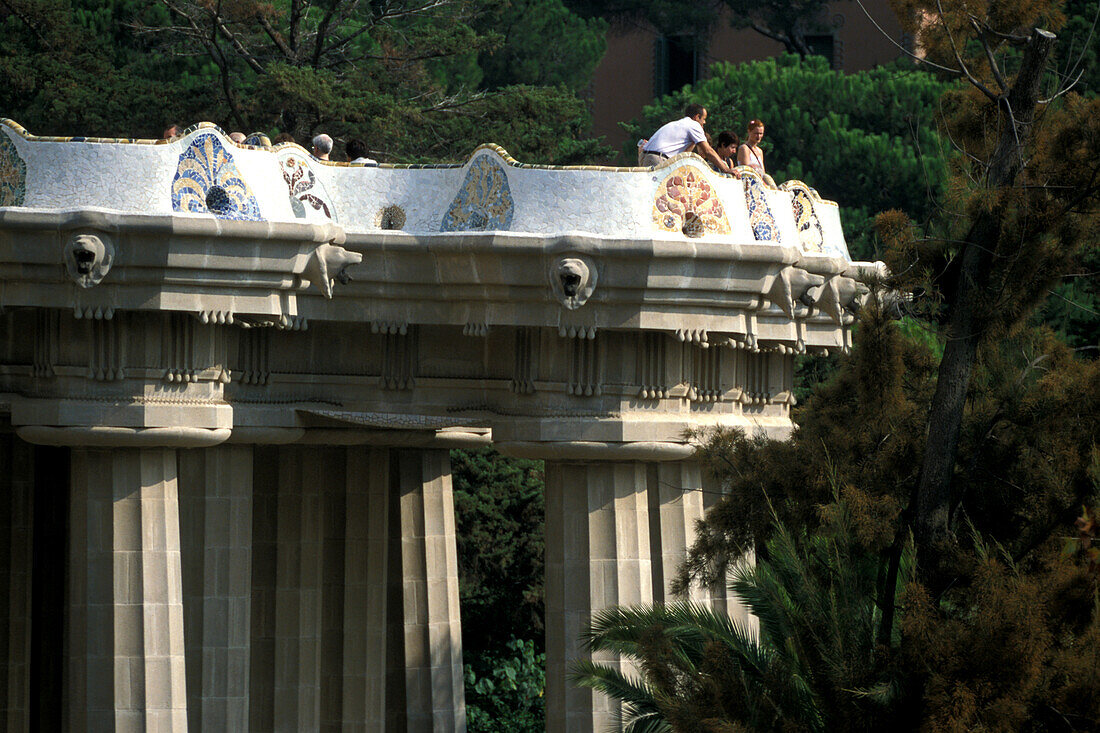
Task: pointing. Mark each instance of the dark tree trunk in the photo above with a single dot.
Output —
(969, 308)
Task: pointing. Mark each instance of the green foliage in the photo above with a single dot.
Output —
(545, 44)
(499, 520)
(504, 693)
(403, 75)
(866, 140)
(814, 664)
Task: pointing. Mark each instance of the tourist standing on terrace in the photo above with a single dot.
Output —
(322, 146)
(680, 136)
(750, 153)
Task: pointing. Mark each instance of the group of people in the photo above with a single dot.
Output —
(687, 135)
(321, 145)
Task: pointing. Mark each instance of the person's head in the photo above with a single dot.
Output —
(171, 131)
(284, 137)
(356, 149)
(322, 146)
(755, 132)
(727, 144)
(237, 137)
(696, 112)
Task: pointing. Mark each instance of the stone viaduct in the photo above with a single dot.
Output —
(230, 376)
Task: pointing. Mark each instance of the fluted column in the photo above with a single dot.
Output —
(126, 643)
(365, 562)
(432, 632)
(216, 532)
(597, 555)
(675, 505)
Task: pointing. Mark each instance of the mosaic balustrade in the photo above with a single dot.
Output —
(203, 173)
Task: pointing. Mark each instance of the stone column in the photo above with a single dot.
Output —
(432, 632)
(16, 561)
(308, 604)
(597, 555)
(675, 505)
(126, 646)
(365, 562)
(216, 532)
(721, 599)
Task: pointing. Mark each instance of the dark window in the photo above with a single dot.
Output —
(823, 46)
(676, 63)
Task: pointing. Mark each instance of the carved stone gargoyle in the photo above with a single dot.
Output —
(88, 258)
(327, 264)
(790, 284)
(837, 294)
(573, 280)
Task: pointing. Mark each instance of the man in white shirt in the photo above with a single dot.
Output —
(683, 135)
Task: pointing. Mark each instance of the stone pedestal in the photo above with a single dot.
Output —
(126, 667)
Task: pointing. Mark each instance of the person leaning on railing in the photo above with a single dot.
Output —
(680, 136)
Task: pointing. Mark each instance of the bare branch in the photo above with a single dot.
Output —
(276, 37)
(958, 57)
(903, 49)
(994, 67)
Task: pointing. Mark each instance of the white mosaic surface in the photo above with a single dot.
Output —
(137, 178)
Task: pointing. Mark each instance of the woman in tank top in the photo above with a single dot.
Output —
(750, 153)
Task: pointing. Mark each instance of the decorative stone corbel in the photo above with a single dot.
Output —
(88, 257)
(838, 294)
(789, 285)
(573, 279)
(327, 264)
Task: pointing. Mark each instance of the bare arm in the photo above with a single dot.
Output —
(742, 155)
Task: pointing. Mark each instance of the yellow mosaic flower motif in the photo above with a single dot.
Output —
(687, 204)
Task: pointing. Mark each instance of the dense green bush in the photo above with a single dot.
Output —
(504, 693)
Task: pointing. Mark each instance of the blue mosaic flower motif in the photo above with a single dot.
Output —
(760, 214)
(207, 181)
(258, 139)
(810, 234)
(13, 174)
(484, 202)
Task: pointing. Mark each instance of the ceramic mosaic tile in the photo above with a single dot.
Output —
(810, 235)
(13, 174)
(308, 197)
(484, 202)
(259, 139)
(760, 214)
(687, 203)
(207, 181)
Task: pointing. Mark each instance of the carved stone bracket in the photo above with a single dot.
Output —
(789, 286)
(327, 264)
(585, 369)
(524, 372)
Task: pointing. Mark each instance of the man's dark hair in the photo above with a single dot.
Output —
(727, 138)
(694, 110)
(356, 149)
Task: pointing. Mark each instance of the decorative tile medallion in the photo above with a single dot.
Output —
(207, 181)
(810, 234)
(760, 214)
(485, 200)
(13, 174)
(308, 196)
(258, 139)
(390, 217)
(686, 203)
